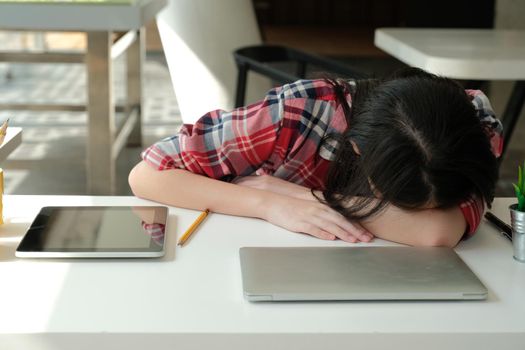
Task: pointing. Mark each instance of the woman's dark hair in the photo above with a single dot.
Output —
(420, 144)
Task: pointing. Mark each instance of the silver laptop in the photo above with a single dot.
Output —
(357, 273)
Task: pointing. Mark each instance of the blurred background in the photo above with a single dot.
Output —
(52, 156)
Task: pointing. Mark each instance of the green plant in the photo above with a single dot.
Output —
(520, 188)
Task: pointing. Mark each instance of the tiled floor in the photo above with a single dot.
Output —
(51, 159)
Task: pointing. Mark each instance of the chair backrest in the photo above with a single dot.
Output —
(259, 58)
(198, 37)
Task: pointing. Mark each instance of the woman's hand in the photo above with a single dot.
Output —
(313, 218)
(275, 185)
(299, 211)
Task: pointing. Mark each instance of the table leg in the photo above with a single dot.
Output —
(512, 112)
(101, 114)
(135, 59)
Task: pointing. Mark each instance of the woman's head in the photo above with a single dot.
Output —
(420, 145)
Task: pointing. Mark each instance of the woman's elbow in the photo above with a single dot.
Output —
(443, 239)
(446, 232)
(426, 228)
(137, 179)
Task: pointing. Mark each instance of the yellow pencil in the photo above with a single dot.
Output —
(193, 226)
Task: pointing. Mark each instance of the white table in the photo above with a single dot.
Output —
(192, 298)
(470, 54)
(99, 20)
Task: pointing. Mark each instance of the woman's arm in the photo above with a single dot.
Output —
(182, 188)
(427, 227)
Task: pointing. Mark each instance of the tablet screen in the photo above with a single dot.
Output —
(131, 231)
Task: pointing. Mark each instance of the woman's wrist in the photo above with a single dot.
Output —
(300, 192)
(265, 203)
(273, 184)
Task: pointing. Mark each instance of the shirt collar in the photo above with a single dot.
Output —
(337, 126)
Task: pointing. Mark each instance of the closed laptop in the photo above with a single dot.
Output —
(357, 273)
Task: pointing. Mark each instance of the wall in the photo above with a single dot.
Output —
(509, 15)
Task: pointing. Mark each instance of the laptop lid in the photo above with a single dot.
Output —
(357, 273)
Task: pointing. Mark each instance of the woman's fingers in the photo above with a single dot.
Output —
(312, 230)
(315, 219)
(346, 230)
(323, 221)
(333, 227)
(359, 231)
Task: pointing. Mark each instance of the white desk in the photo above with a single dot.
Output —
(99, 20)
(470, 54)
(480, 54)
(192, 298)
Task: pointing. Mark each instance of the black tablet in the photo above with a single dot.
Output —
(96, 232)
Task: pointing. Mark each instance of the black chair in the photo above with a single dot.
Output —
(512, 112)
(260, 57)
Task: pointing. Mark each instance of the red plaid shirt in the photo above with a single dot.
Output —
(282, 136)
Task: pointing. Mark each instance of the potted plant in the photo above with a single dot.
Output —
(517, 216)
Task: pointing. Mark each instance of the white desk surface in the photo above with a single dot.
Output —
(192, 298)
(478, 54)
(12, 140)
(75, 16)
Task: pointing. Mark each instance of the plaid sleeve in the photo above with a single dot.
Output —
(485, 113)
(473, 208)
(155, 231)
(222, 144)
